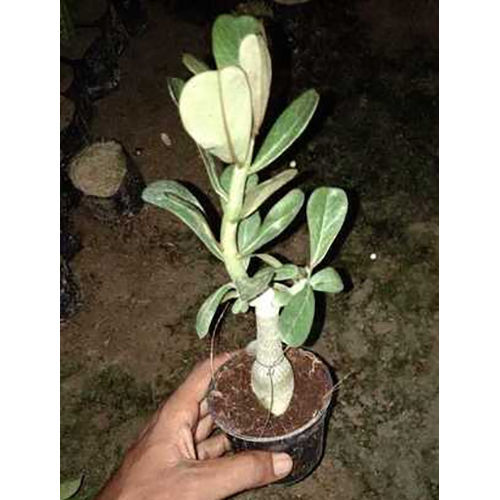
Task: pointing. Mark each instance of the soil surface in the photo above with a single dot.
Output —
(238, 411)
(142, 280)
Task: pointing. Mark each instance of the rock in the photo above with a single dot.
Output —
(99, 169)
(108, 177)
(383, 327)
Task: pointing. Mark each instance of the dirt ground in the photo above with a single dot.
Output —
(142, 281)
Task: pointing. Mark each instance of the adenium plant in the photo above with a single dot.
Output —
(222, 110)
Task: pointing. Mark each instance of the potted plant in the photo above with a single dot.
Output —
(268, 396)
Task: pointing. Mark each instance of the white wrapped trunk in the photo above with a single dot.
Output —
(272, 375)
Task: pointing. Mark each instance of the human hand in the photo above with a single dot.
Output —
(175, 457)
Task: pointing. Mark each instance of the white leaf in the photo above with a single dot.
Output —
(255, 60)
(216, 111)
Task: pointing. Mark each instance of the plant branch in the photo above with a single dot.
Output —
(235, 262)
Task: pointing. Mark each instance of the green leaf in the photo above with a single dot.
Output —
(287, 272)
(158, 189)
(216, 111)
(227, 34)
(175, 86)
(188, 213)
(297, 316)
(208, 309)
(226, 176)
(70, 488)
(252, 181)
(268, 259)
(282, 295)
(233, 294)
(277, 220)
(249, 288)
(211, 168)
(240, 306)
(326, 211)
(286, 129)
(261, 192)
(193, 64)
(327, 280)
(248, 229)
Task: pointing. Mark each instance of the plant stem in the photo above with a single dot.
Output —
(229, 228)
(272, 375)
(231, 218)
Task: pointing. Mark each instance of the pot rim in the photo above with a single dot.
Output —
(267, 439)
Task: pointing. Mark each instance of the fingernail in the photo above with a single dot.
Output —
(282, 464)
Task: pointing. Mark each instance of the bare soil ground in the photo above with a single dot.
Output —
(133, 340)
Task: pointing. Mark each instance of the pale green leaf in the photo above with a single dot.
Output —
(193, 64)
(287, 128)
(298, 286)
(327, 280)
(70, 488)
(240, 306)
(233, 294)
(255, 60)
(268, 259)
(208, 309)
(228, 32)
(326, 211)
(252, 181)
(226, 176)
(211, 168)
(216, 111)
(156, 191)
(249, 288)
(287, 272)
(277, 220)
(296, 318)
(248, 229)
(282, 295)
(175, 86)
(188, 213)
(261, 192)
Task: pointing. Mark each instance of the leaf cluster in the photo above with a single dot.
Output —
(222, 110)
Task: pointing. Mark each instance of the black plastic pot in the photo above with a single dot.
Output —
(305, 445)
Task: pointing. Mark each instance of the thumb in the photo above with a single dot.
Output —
(250, 469)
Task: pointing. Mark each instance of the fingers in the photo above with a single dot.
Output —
(229, 475)
(196, 385)
(213, 447)
(185, 444)
(205, 427)
(203, 408)
(183, 407)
